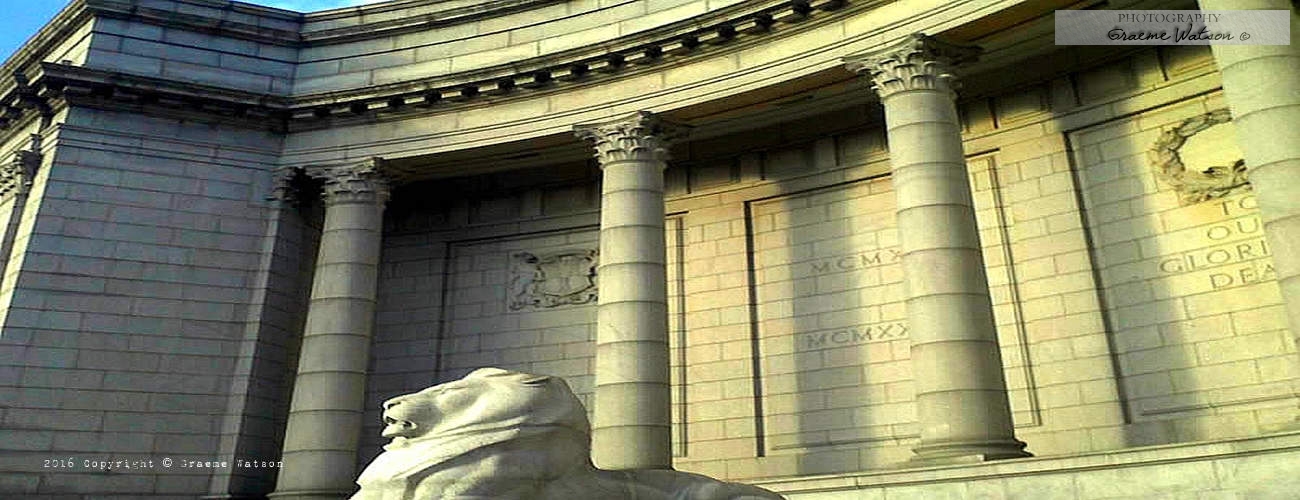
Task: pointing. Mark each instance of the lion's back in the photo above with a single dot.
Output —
(675, 485)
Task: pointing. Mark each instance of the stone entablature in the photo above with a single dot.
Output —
(690, 36)
(538, 39)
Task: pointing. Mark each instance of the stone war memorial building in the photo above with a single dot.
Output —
(838, 249)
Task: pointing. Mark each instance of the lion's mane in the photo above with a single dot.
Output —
(497, 434)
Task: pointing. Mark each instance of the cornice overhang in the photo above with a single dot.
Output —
(60, 84)
(28, 59)
(709, 34)
(78, 12)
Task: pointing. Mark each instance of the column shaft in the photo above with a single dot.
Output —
(631, 426)
(323, 431)
(1262, 86)
(961, 396)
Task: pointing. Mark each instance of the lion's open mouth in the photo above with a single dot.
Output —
(396, 428)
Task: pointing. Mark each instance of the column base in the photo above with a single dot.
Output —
(967, 452)
(311, 495)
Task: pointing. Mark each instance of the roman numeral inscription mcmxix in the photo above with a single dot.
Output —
(853, 335)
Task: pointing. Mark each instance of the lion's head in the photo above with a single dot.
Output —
(486, 400)
(506, 435)
(469, 436)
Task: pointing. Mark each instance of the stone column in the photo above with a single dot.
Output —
(320, 442)
(631, 426)
(1262, 86)
(961, 394)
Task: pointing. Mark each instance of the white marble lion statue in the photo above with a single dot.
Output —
(503, 435)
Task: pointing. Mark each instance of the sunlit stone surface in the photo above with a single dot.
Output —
(229, 233)
(508, 435)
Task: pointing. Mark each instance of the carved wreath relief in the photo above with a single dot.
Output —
(552, 280)
(1200, 182)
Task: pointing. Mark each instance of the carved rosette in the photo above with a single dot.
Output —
(917, 62)
(641, 137)
(1195, 186)
(361, 182)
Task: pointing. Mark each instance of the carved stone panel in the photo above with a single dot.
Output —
(551, 280)
(1195, 162)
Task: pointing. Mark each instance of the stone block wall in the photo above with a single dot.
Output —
(808, 227)
(1189, 287)
(186, 53)
(126, 300)
(834, 347)
(466, 43)
(75, 48)
(493, 324)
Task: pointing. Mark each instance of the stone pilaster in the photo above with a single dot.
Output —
(1262, 86)
(961, 395)
(320, 444)
(631, 427)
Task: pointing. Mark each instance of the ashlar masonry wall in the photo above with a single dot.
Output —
(187, 54)
(128, 303)
(1189, 287)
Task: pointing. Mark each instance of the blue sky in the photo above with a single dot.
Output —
(23, 18)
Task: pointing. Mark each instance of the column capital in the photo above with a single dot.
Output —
(17, 176)
(286, 186)
(914, 62)
(357, 182)
(642, 136)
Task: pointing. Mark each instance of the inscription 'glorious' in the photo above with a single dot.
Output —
(1248, 257)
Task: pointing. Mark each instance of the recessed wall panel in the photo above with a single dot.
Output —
(831, 318)
(1187, 273)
